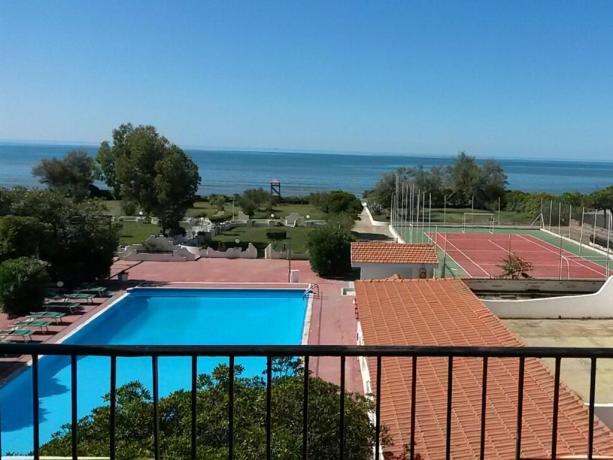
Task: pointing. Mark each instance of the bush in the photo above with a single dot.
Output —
(135, 434)
(20, 236)
(337, 202)
(276, 235)
(23, 282)
(329, 250)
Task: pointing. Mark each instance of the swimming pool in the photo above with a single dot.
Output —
(151, 316)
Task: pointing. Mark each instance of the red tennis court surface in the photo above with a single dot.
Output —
(480, 254)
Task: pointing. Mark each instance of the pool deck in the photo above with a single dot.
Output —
(333, 319)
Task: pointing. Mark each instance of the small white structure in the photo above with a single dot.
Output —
(377, 260)
(294, 219)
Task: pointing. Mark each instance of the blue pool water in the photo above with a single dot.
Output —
(150, 317)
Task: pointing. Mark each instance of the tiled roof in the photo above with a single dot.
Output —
(446, 312)
(392, 253)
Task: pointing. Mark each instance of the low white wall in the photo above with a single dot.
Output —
(395, 234)
(231, 253)
(373, 222)
(381, 271)
(270, 253)
(597, 305)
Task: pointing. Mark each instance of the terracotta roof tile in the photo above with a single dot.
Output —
(392, 253)
(446, 312)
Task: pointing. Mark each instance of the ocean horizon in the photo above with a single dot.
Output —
(230, 171)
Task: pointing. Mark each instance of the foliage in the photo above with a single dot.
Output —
(464, 183)
(144, 168)
(337, 202)
(20, 236)
(329, 250)
(603, 198)
(515, 267)
(253, 199)
(79, 241)
(276, 235)
(134, 427)
(72, 175)
(23, 282)
(218, 201)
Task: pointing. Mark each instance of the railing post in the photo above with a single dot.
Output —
(231, 408)
(113, 403)
(73, 398)
(35, 409)
(520, 406)
(305, 408)
(342, 411)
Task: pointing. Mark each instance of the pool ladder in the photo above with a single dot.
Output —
(313, 290)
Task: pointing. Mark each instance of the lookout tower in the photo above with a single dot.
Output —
(275, 188)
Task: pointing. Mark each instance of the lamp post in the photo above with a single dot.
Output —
(289, 261)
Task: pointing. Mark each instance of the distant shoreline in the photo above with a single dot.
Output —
(232, 171)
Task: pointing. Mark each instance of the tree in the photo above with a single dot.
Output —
(492, 184)
(218, 202)
(515, 267)
(23, 283)
(134, 428)
(464, 177)
(337, 202)
(329, 250)
(603, 198)
(20, 236)
(144, 168)
(176, 183)
(72, 175)
(79, 241)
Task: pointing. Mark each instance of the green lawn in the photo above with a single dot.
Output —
(136, 232)
(296, 236)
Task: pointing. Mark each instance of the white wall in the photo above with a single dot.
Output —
(381, 271)
(597, 305)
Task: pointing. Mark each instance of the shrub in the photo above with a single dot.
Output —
(23, 282)
(329, 250)
(135, 434)
(276, 235)
(20, 236)
(337, 202)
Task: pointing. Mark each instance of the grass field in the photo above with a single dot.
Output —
(296, 236)
(136, 232)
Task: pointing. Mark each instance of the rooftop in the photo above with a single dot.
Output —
(392, 253)
(446, 312)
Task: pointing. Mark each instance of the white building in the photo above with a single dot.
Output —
(377, 260)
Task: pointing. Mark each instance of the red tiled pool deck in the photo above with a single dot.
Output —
(333, 319)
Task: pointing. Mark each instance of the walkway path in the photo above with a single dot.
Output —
(366, 229)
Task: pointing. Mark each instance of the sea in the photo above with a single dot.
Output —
(300, 173)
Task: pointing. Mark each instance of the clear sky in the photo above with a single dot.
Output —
(496, 78)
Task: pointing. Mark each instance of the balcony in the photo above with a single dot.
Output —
(591, 440)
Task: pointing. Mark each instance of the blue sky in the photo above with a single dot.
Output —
(513, 78)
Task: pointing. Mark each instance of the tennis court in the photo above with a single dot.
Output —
(481, 254)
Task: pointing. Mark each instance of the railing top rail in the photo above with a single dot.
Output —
(303, 350)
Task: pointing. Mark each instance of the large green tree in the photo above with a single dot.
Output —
(603, 198)
(78, 242)
(73, 175)
(134, 424)
(144, 168)
(20, 236)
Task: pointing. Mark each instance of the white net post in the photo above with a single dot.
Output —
(550, 212)
(429, 213)
(570, 219)
(581, 231)
(608, 214)
(423, 219)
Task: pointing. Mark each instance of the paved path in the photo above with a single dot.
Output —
(365, 229)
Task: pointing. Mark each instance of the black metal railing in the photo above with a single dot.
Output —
(306, 353)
